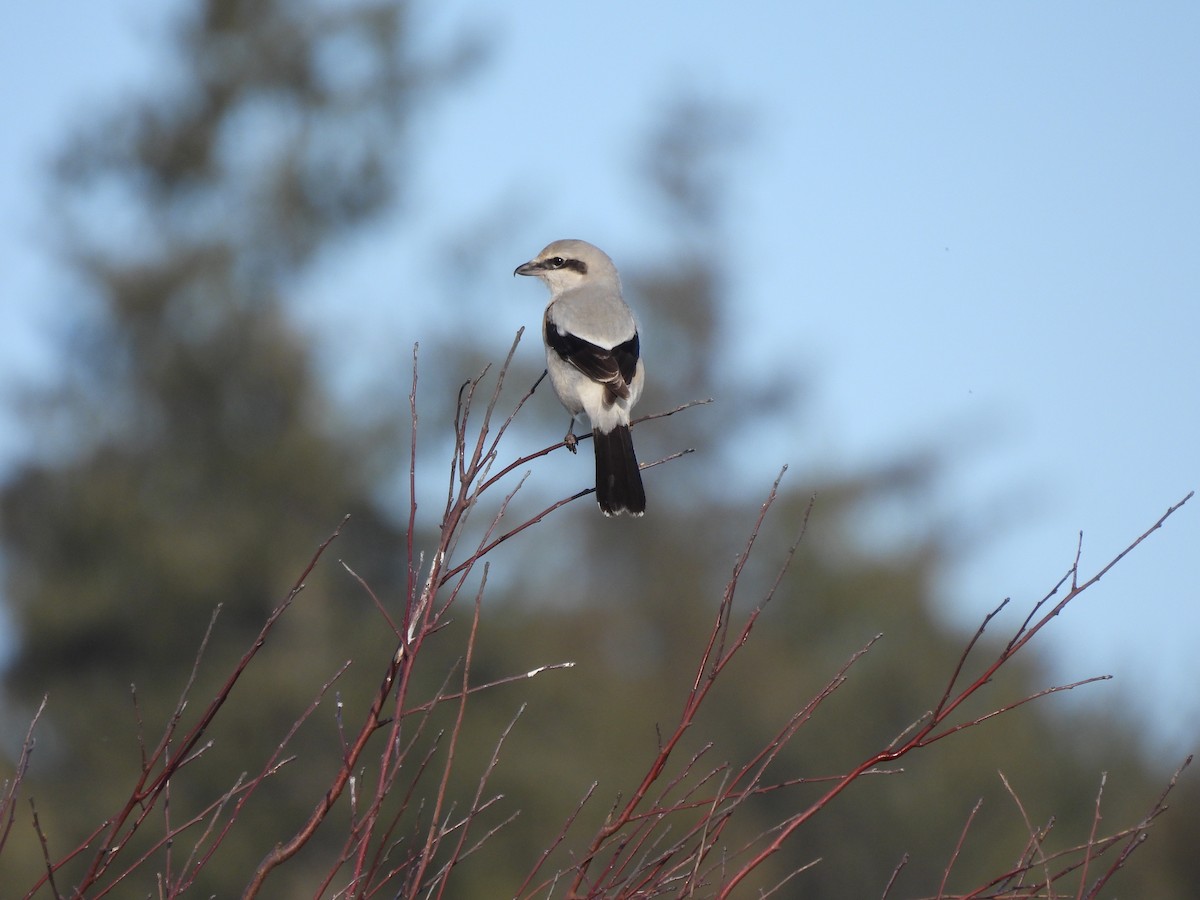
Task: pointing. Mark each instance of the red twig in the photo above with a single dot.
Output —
(424, 613)
(12, 786)
(895, 874)
(1138, 834)
(950, 702)
(1087, 857)
(962, 839)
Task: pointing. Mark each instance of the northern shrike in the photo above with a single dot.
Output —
(594, 363)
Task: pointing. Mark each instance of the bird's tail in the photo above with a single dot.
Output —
(618, 481)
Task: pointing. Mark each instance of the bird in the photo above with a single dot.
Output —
(593, 358)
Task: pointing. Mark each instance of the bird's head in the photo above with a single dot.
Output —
(568, 264)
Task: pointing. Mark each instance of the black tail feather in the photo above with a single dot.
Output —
(618, 480)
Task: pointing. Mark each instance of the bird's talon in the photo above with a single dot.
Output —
(570, 440)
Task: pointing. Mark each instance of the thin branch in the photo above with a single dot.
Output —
(920, 738)
(895, 874)
(962, 839)
(1087, 857)
(1139, 833)
(12, 785)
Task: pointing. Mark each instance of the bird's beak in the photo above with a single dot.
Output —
(533, 267)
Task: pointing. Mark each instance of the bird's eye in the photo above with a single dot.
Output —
(556, 262)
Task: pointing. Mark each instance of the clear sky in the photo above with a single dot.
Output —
(974, 224)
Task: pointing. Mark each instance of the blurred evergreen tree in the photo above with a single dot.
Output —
(200, 463)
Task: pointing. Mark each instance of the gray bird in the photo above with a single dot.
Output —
(594, 362)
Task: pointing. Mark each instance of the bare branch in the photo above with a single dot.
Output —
(12, 785)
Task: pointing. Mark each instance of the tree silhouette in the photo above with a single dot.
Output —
(197, 458)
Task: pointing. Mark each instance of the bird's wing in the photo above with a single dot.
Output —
(614, 368)
(627, 355)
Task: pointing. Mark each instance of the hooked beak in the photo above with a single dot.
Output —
(533, 267)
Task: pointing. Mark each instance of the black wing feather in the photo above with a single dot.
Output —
(626, 355)
(613, 367)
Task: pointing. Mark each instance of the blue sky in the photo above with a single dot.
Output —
(972, 224)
